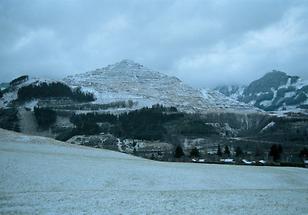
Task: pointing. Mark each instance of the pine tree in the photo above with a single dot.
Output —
(275, 152)
(238, 151)
(227, 151)
(194, 153)
(219, 153)
(303, 153)
(178, 152)
(258, 151)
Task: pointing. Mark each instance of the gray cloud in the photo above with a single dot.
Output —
(204, 43)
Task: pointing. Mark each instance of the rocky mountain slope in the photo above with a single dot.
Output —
(127, 80)
(121, 87)
(125, 86)
(223, 102)
(275, 91)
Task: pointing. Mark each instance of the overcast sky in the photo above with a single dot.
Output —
(204, 43)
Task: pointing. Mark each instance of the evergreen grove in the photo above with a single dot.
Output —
(54, 89)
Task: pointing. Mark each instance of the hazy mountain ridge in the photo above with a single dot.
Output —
(275, 91)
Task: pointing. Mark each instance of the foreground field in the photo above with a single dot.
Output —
(42, 176)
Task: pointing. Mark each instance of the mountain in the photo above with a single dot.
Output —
(119, 88)
(220, 100)
(275, 91)
(123, 86)
(231, 91)
(104, 108)
(128, 80)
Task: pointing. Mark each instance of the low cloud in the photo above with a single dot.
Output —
(277, 46)
(205, 43)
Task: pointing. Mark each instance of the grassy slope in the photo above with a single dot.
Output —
(40, 175)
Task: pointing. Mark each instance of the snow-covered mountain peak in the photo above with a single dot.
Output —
(275, 91)
(126, 65)
(125, 69)
(128, 80)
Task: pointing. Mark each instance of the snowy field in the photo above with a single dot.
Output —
(42, 176)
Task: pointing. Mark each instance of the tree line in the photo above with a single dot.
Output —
(45, 117)
(54, 89)
(146, 123)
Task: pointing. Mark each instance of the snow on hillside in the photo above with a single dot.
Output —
(217, 99)
(127, 80)
(276, 91)
(43, 176)
(231, 91)
(13, 91)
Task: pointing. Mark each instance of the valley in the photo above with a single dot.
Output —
(40, 175)
(129, 108)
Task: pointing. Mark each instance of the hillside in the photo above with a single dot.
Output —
(275, 91)
(227, 103)
(120, 87)
(128, 80)
(40, 176)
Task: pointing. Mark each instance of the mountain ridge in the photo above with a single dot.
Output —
(275, 91)
(130, 80)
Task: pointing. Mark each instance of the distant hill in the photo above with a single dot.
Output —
(128, 80)
(275, 91)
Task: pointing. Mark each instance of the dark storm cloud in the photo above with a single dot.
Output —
(202, 42)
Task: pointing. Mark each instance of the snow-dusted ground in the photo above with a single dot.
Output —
(42, 176)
